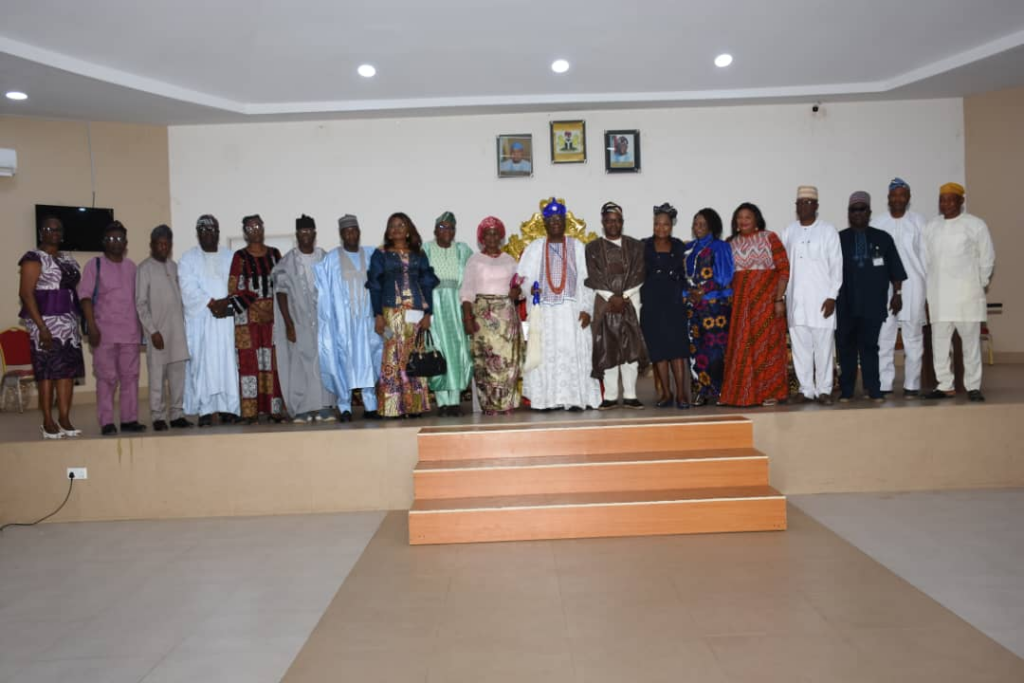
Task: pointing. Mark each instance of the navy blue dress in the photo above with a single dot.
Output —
(662, 303)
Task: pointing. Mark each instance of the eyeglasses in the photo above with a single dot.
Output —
(252, 227)
(806, 202)
(115, 238)
(51, 228)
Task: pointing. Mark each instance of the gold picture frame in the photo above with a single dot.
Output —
(568, 142)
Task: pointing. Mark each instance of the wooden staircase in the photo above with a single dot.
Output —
(591, 479)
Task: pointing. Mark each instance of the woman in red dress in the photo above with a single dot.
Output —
(755, 360)
(252, 297)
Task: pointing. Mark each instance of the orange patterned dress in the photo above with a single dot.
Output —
(755, 360)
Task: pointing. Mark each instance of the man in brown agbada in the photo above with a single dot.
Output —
(615, 271)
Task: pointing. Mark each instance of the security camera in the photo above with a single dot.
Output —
(815, 108)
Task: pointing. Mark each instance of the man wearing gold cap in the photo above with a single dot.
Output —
(815, 276)
(959, 258)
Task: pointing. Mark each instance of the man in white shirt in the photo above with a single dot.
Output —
(815, 276)
(906, 229)
(959, 260)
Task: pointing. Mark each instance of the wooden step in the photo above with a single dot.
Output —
(590, 473)
(592, 515)
(583, 437)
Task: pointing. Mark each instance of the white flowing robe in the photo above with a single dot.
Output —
(907, 233)
(211, 374)
(563, 378)
(815, 272)
(350, 348)
(959, 258)
(298, 363)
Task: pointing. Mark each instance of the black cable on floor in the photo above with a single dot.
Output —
(71, 483)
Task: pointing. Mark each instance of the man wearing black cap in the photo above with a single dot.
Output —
(871, 264)
(615, 271)
(296, 341)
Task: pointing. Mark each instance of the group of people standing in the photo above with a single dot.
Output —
(715, 313)
(255, 336)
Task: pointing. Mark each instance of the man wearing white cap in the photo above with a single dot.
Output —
(959, 258)
(906, 229)
(815, 276)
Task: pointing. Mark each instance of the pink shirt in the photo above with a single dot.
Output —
(487, 275)
(114, 307)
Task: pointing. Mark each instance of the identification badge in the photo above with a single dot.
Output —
(878, 261)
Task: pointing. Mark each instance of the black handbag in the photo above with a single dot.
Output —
(425, 360)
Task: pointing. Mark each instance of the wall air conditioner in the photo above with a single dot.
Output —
(8, 162)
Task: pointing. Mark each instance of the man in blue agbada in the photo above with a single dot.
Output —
(350, 349)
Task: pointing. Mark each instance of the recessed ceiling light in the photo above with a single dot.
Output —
(559, 66)
(367, 71)
(16, 95)
(723, 60)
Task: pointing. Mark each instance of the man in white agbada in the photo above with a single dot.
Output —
(554, 270)
(815, 276)
(296, 341)
(959, 258)
(211, 375)
(350, 349)
(906, 229)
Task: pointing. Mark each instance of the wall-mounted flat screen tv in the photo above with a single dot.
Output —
(83, 226)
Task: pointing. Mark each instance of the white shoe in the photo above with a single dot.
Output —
(59, 434)
(69, 433)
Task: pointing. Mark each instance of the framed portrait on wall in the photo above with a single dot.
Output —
(515, 156)
(568, 142)
(622, 151)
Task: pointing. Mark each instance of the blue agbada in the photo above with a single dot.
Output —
(350, 349)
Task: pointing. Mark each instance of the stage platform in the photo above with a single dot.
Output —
(900, 445)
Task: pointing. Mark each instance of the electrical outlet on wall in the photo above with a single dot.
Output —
(79, 472)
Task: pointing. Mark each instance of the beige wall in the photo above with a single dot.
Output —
(994, 148)
(267, 471)
(53, 168)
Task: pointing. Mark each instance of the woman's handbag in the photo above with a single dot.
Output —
(425, 360)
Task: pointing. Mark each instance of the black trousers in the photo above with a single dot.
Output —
(858, 337)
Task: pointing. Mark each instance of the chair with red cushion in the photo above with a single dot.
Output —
(15, 364)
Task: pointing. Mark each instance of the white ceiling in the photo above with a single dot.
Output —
(193, 61)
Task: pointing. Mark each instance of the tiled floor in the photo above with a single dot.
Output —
(194, 600)
(226, 600)
(965, 549)
(803, 605)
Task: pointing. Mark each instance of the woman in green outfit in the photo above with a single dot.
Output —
(448, 259)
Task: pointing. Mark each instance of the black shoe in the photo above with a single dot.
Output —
(454, 411)
(608, 405)
(667, 403)
(229, 418)
(632, 403)
(371, 415)
(108, 430)
(160, 426)
(346, 416)
(205, 420)
(911, 393)
(575, 409)
(132, 426)
(939, 394)
(181, 423)
(976, 396)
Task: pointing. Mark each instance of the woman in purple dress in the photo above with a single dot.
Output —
(51, 313)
